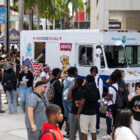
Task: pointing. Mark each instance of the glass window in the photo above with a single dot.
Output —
(115, 56)
(102, 64)
(133, 55)
(85, 55)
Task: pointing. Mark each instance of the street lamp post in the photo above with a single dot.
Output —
(7, 4)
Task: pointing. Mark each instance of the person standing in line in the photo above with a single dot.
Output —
(35, 114)
(1, 111)
(122, 87)
(87, 109)
(9, 83)
(45, 76)
(122, 128)
(75, 95)
(56, 72)
(111, 107)
(25, 86)
(134, 104)
(54, 116)
(68, 83)
(99, 84)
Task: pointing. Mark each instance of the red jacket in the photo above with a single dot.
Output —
(49, 136)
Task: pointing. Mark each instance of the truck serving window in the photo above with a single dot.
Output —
(133, 55)
(85, 55)
(115, 56)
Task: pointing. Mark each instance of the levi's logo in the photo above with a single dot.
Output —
(65, 46)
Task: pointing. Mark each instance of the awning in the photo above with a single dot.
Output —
(14, 37)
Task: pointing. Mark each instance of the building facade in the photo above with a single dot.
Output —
(108, 14)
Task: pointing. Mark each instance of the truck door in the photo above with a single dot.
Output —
(84, 58)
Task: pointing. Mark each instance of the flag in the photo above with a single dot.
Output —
(36, 67)
(26, 62)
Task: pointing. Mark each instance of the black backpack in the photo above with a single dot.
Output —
(119, 99)
(47, 131)
(8, 82)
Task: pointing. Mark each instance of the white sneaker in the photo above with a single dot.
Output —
(107, 137)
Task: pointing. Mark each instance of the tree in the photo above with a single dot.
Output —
(21, 14)
(77, 5)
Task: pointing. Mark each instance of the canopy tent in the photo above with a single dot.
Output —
(14, 37)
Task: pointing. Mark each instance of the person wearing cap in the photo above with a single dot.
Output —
(25, 86)
(35, 114)
(45, 76)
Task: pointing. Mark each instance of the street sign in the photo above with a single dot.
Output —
(2, 15)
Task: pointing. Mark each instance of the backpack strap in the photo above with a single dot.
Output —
(41, 97)
(114, 89)
(98, 81)
(48, 131)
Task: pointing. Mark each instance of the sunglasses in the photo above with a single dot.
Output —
(44, 86)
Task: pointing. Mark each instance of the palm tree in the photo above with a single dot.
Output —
(77, 5)
(21, 14)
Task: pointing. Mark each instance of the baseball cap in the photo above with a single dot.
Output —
(45, 66)
(39, 83)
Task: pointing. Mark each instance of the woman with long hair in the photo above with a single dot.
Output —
(122, 127)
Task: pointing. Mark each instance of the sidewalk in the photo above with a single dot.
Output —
(12, 127)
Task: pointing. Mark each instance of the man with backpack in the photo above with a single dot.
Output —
(111, 104)
(35, 115)
(50, 129)
(9, 83)
(56, 90)
(122, 89)
(99, 85)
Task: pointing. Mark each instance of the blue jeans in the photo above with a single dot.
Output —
(12, 95)
(24, 92)
(67, 107)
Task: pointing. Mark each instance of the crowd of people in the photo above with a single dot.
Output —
(53, 98)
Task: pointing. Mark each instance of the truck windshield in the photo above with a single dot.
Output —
(115, 56)
(133, 56)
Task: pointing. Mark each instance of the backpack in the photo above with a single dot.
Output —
(51, 91)
(8, 82)
(9, 85)
(119, 99)
(46, 131)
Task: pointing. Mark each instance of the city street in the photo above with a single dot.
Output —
(12, 127)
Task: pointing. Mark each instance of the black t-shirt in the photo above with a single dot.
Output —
(135, 102)
(91, 95)
(76, 95)
(57, 92)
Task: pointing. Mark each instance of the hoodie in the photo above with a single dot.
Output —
(49, 136)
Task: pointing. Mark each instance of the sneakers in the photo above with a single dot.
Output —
(97, 131)
(108, 137)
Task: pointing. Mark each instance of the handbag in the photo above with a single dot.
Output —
(102, 106)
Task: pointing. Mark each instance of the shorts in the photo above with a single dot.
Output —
(67, 107)
(88, 123)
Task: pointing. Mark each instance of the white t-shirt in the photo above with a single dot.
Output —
(124, 133)
(46, 75)
(112, 91)
(99, 84)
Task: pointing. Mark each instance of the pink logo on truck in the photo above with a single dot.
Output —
(65, 46)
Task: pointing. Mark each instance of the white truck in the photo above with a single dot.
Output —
(85, 48)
